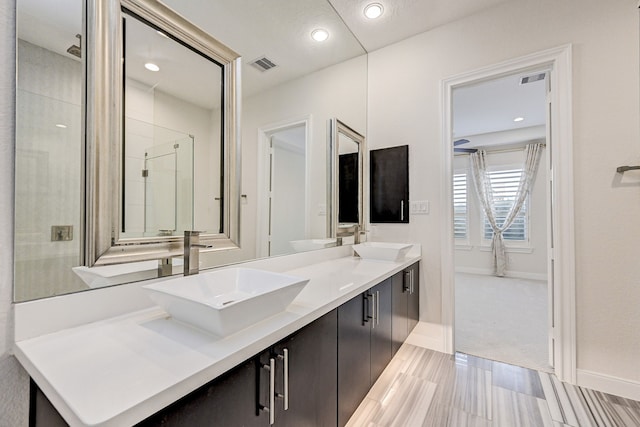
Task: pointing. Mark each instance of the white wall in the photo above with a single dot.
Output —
(405, 107)
(14, 391)
(474, 256)
(338, 91)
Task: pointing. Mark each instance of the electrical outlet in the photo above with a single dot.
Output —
(61, 233)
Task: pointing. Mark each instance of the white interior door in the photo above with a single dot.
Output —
(287, 198)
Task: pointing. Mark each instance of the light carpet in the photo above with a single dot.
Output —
(503, 319)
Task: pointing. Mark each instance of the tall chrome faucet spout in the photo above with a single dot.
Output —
(192, 247)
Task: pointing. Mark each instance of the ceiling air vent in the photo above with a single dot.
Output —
(532, 78)
(263, 63)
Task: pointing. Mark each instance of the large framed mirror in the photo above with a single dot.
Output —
(176, 165)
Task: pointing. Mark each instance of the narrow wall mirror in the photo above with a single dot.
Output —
(346, 153)
(177, 160)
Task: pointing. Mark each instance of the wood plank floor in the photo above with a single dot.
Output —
(424, 388)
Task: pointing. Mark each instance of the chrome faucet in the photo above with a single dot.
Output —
(353, 230)
(192, 247)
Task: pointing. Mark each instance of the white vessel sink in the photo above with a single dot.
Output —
(107, 275)
(382, 251)
(226, 301)
(311, 244)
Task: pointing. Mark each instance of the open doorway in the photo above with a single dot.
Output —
(561, 256)
(502, 313)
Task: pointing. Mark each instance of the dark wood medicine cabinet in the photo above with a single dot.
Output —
(389, 185)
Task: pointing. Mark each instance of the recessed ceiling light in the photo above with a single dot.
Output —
(373, 10)
(518, 119)
(151, 66)
(319, 35)
(61, 126)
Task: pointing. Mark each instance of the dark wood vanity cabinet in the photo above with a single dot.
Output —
(241, 397)
(364, 346)
(329, 366)
(406, 304)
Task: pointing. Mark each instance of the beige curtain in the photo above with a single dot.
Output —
(482, 184)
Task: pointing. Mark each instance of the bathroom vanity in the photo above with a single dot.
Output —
(310, 364)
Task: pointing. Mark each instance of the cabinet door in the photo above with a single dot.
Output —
(414, 296)
(229, 401)
(400, 314)
(41, 411)
(354, 364)
(389, 181)
(381, 349)
(312, 375)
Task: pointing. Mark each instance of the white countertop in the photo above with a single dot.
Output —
(121, 370)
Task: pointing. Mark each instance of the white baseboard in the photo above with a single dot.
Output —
(427, 335)
(513, 274)
(609, 384)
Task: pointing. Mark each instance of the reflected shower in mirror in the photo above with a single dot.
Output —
(49, 145)
(172, 133)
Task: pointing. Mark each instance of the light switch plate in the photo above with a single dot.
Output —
(419, 207)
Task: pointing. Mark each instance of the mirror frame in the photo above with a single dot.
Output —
(103, 132)
(335, 127)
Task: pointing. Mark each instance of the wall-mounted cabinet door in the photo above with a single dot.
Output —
(389, 181)
(381, 348)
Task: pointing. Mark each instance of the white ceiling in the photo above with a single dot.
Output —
(280, 29)
(483, 113)
(404, 18)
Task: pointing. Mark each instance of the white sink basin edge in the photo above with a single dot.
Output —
(383, 251)
(225, 301)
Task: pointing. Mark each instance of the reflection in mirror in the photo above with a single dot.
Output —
(313, 81)
(287, 189)
(348, 180)
(49, 145)
(347, 148)
(176, 166)
(172, 133)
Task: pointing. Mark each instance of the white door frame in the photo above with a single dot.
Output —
(558, 60)
(264, 170)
